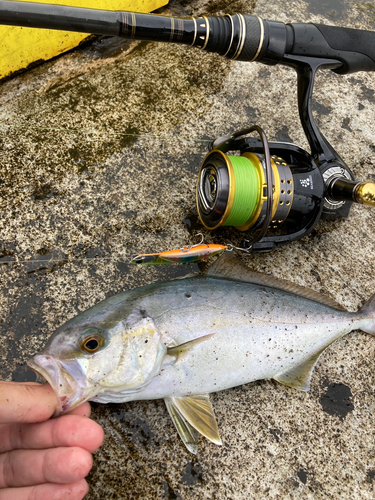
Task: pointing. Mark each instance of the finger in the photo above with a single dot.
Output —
(84, 410)
(26, 402)
(74, 491)
(65, 431)
(31, 467)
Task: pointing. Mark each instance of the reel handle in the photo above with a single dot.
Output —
(347, 190)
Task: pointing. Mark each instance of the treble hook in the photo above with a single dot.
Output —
(187, 248)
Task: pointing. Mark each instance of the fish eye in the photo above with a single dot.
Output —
(91, 344)
(92, 340)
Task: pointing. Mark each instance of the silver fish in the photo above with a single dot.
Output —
(183, 339)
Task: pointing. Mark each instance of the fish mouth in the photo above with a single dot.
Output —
(66, 378)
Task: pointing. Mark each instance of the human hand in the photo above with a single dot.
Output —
(43, 458)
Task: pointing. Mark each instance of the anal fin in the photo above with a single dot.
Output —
(192, 415)
(299, 376)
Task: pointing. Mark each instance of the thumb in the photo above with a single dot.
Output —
(26, 403)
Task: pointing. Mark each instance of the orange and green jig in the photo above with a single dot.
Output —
(182, 255)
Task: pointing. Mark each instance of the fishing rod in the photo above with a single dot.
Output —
(266, 187)
(239, 36)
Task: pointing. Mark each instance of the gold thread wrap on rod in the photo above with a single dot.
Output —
(237, 36)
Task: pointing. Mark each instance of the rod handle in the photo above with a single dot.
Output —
(353, 47)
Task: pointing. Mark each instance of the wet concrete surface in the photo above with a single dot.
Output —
(99, 154)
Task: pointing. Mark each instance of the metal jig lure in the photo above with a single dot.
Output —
(192, 253)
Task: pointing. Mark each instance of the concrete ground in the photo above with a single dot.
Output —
(99, 154)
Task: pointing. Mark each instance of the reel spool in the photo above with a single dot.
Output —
(232, 190)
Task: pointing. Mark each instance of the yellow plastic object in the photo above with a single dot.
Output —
(21, 47)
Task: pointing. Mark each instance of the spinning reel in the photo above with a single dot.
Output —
(234, 190)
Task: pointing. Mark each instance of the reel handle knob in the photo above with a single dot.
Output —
(365, 193)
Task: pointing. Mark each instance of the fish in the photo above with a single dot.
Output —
(184, 339)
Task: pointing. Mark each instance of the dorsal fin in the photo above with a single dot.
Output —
(227, 267)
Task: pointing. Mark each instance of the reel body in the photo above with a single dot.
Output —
(298, 191)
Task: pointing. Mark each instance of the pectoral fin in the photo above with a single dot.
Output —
(182, 349)
(191, 414)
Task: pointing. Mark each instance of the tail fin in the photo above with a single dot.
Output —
(368, 314)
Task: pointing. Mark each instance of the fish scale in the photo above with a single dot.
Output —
(184, 339)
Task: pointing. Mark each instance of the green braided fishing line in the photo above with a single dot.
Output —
(247, 191)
